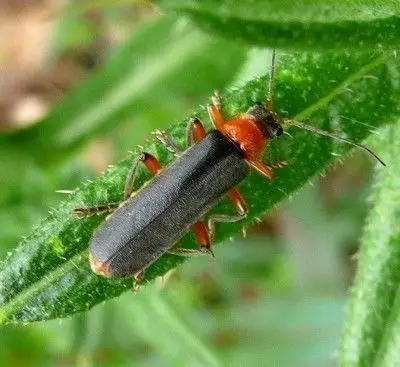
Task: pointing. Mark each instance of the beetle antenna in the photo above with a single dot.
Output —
(333, 136)
(270, 88)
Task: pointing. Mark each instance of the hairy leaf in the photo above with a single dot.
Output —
(303, 24)
(48, 275)
(372, 331)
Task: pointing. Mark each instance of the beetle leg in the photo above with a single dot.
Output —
(168, 142)
(205, 235)
(88, 211)
(266, 169)
(151, 163)
(130, 179)
(224, 218)
(215, 112)
(279, 164)
(237, 201)
(190, 252)
(194, 132)
(261, 168)
(202, 238)
(137, 281)
(241, 207)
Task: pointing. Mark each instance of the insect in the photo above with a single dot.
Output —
(147, 223)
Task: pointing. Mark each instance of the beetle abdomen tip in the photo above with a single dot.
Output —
(98, 267)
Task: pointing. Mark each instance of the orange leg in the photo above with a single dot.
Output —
(266, 169)
(238, 202)
(151, 163)
(263, 169)
(205, 235)
(194, 132)
(215, 112)
(200, 231)
(241, 207)
(202, 238)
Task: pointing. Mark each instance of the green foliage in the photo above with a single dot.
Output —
(172, 332)
(48, 275)
(302, 24)
(154, 78)
(135, 78)
(372, 334)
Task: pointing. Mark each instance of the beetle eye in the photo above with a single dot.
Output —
(274, 129)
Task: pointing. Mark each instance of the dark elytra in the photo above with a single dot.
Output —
(149, 223)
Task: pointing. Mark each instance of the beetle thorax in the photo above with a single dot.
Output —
(245, 133)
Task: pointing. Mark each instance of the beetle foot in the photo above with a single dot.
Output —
(207, 251)
(167, 141)
(279, 164)
(189, 252)
(138, 279)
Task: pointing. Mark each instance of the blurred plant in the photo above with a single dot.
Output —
(168, 67)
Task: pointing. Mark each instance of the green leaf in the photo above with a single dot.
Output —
(48, 275)
(302, 24)
(158, 64)
(172, 336)
(83, 6)
(372, 328)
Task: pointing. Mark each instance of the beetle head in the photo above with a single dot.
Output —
(267, 121)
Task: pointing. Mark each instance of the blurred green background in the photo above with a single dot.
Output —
(274, 297)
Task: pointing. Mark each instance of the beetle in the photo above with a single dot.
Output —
(147, 223)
